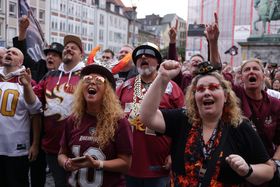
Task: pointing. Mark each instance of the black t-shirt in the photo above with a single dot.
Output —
(241, 140)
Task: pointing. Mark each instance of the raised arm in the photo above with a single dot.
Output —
(212, 34)
(25, 79)
(150, 115)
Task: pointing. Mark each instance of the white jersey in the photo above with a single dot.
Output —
(14, 117)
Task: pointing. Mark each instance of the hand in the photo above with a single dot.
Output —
(25, 77)
(169, 69)
(167, 164)
(23, 25)
(212, 31)
(173, 32)
(238, 164)
(87, 162)
(33, 152)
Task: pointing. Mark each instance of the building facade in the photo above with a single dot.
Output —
(9, 18)
(236, 19)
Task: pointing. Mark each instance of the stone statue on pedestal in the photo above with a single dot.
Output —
(268, 10)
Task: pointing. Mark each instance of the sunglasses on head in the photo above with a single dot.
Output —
(93, 79)
(146, 52)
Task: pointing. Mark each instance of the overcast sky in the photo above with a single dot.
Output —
(161, 7)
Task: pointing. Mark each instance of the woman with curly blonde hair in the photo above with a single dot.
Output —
(212, 144)
(231, 111)
(96, 146)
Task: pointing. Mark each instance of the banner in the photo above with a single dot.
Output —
(34, 36)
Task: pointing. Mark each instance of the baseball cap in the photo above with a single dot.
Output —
(74, 39)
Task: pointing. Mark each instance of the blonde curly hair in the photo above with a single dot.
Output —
(231, 111)
(111, 112)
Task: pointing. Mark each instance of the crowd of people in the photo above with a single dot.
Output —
(154, 123)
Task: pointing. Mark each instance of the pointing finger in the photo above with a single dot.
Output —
(216, 17)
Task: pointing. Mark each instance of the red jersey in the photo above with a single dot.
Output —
(149, 150)
(56, 91)
(80, 141)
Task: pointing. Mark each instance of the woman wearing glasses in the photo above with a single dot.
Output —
(96, 146)
(212, 145)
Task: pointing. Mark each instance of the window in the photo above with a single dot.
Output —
(1, 30)
(101, 35)
(11, 33)
(101, 20)
(12, 8)
(42, 15)
(1, 5)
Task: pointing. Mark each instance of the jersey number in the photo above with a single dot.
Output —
(9, 102)
(87, 176)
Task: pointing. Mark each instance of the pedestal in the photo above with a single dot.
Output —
(266, 48)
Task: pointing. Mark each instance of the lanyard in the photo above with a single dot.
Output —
(207, 150)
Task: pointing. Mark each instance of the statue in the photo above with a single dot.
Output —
(268, 10)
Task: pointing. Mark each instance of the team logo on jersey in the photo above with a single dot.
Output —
(92, 130)
(59, 103)
(268, 121)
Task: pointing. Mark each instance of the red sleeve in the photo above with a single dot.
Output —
(39, 90)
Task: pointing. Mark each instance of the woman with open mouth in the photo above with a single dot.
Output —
(212, 144)
(96, 146)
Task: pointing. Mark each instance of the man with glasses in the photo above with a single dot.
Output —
(150, 160)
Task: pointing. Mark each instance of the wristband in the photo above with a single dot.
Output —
(101, 164)
(249, 172)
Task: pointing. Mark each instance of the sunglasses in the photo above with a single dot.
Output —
(146, 52)
(94, 79)
(211, 87)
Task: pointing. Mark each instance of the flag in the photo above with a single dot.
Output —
(34, 36)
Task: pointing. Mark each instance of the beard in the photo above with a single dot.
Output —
(146, 71)
(67, 60)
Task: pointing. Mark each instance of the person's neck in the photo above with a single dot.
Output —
(208, 127)
(93, 111)
(255, 94)
(149, 78)
(68, 67)
(210, 124)
(8, 70)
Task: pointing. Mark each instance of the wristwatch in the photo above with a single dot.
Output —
(250, 171)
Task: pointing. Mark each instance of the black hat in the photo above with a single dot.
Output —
(205, 68)
(147, 48)
(104, 72)
(74, 39)
(54, 47)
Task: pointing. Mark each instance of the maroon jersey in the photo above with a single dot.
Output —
(149, 150)
(55, 91)
(80, 141)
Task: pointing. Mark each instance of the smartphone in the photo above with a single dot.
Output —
(79, 158)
